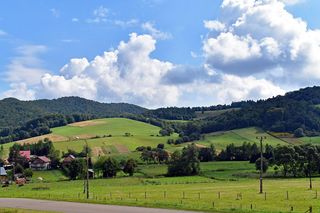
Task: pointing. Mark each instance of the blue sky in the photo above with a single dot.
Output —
(41, 37)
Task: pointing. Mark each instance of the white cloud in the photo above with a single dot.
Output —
(99, 15)
(127, 74)
(19, 91)
(128, 23)
(292, 2)
(214, 25)
(157, 34)
(26, 67)
(262, 36)
(75, 20)
(55, 12)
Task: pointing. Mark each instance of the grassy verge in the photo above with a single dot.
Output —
(12, 210)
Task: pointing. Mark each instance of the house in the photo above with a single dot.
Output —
(3, 175)
(26, 154)
(40, 163)
(67, 160)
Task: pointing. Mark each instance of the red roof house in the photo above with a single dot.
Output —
(25, 154)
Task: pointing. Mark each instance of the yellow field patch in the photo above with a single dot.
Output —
(52, 137)
(200, 146)
(97, 151)
(87, 123)
(122, 148)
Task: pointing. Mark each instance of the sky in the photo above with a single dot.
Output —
(157, 53)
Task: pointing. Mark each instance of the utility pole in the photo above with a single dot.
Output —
(87, 159)
(261, 162)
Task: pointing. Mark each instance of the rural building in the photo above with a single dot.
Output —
(40, 163)
(26, 154)
(67, 160)
(3, 175)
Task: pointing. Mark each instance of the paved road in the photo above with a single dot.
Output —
(71, 207)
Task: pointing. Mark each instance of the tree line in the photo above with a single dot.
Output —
(40, 126)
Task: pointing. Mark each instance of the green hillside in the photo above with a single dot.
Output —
(108, 137)
(221, 139)
(104, 136)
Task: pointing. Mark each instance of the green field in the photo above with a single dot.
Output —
(73, 137)
(141, 134)
(219, 188)
(221, 139)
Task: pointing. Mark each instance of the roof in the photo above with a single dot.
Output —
(68, 159)
(25, 154)
(3, 172)
(44, 159)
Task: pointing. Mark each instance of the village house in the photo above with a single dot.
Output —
(3, 175)
(26, 154)
(67, 160)
(40, 163)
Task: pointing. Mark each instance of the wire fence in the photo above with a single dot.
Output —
(209, 201)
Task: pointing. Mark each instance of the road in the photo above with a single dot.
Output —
(71, 207)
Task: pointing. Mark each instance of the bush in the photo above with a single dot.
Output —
(160, 146)
(298, 133)
(28, 173)
(130, 166)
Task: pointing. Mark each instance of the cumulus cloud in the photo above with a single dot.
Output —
(20, 91)
(127, 74)
(292, 2)
(259, 36)
(157, 34)
(250, 52)
(214, 25)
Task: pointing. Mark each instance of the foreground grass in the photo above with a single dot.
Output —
(221, 188)
(12, 210)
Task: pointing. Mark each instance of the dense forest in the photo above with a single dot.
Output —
(15, 113)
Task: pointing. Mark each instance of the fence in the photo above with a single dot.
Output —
(210, 201)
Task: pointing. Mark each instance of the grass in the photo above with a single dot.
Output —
(221, 139)
(14, 210)
(141, 134)
(194, 193)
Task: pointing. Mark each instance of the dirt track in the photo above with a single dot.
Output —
(70, 207)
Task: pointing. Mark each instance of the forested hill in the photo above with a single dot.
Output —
(295, 110)
(15, 113)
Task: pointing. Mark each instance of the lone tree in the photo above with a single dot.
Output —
(130, 167)
(186, 163)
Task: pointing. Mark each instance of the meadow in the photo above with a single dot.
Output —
(108, 137)
(221, 187)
